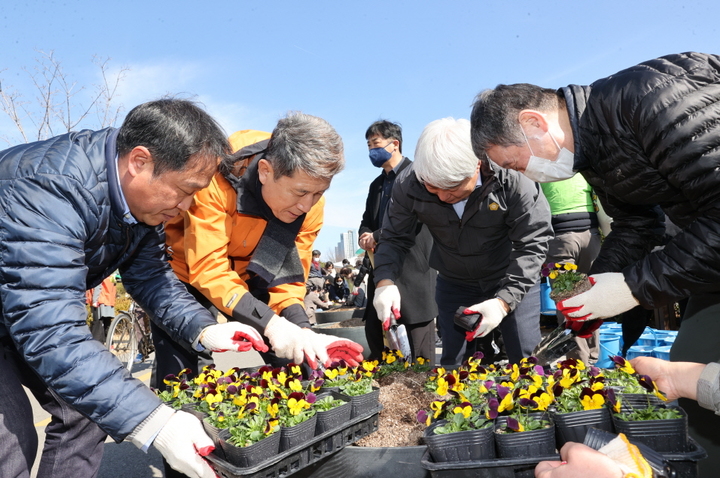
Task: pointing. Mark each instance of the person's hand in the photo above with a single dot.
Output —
(232, 336)
(288, 341)
(579, 461)
(367, 241)
(674, 379)
(492, 312)
(335, 348)
(183, 443)
(608, 297)
(387, 304)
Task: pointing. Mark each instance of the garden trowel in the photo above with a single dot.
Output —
(397, 338)
(556, 344)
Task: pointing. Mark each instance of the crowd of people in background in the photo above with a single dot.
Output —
(327, 289)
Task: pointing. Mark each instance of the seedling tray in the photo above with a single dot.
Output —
(295, 459)
(492, 468)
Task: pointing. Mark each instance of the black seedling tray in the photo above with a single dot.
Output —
(295, 459)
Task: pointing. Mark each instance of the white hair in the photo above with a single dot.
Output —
(444, 156)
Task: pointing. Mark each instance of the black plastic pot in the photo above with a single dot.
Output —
(356, 334)
(190, 408)
(335, 417)
(637, 401)
(460, 446)
(338, 315)
(252, 455)
(573, 426)
(299, 434)
(213, 431)
(532, 443)
(678, 465)
(664, 436)
(364, 404)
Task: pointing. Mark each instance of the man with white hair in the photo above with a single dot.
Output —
(490, 228)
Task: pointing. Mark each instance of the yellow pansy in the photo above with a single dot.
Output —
(466, 410)
(442, 386)
(592, 401)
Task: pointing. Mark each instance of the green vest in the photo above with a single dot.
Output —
(570, 195)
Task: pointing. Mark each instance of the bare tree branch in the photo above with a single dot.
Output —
(60, 103)
(10, 104)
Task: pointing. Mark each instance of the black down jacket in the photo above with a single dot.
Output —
(645, 137)
(62, 232)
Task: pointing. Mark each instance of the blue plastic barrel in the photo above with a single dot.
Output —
(639, 351)
(648, 340)
(547, 305)
(609, 346)
(662, 352)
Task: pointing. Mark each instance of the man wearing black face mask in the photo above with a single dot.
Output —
(384, 140)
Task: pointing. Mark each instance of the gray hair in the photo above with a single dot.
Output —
(305, 143)
(495, 113)
(444, 156)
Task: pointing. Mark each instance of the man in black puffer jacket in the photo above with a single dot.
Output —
(73, 209)
(646, 137)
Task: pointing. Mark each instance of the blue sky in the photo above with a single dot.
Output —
(351, 63)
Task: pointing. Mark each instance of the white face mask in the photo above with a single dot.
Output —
(545, 170)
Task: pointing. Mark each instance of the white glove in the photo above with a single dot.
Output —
(608, 297)
(288, 341)
(493, 311)
(183, 443)
(317, 345)
(232, 336)
(387, 304)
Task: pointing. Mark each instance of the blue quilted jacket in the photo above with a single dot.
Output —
(62, 232)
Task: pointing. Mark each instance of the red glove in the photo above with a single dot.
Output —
(347, 350)
(583, 329)
(331, 348)
(247, 342)
(388, 322)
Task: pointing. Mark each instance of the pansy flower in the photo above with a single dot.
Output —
(592, 399)
(465, 408)
(423, 417)
(647, 383)
(622, 364)
(514, 424)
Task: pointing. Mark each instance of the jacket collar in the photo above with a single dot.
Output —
(576, 101)
(118, 204)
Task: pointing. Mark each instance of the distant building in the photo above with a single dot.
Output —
(347, 246)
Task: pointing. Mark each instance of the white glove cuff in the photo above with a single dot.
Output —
(144, 434)
(625, 298)
(499, 307)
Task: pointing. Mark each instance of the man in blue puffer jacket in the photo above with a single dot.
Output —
(72, 210)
